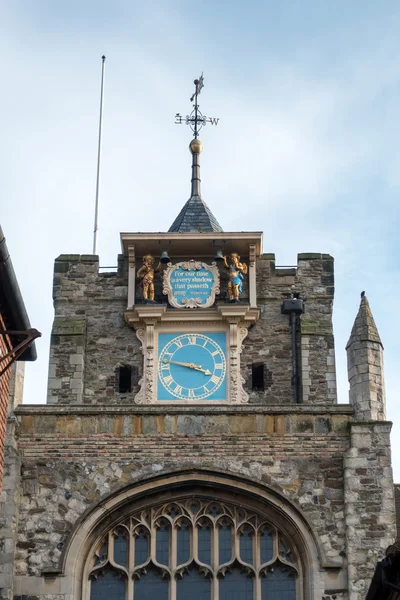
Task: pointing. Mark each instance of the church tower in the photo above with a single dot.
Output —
(192, 446)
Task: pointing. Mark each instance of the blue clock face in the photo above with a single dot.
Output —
(192, 366)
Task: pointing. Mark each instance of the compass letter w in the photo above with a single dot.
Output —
(214, 121)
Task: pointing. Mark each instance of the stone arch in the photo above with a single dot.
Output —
(109, 511)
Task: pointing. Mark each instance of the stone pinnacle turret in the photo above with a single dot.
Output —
(365, 366)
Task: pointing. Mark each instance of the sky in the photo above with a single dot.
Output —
(307, 147)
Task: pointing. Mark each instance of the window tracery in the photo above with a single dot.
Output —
(194, 549)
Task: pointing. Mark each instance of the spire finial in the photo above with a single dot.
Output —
(195, 215)
(196, 120)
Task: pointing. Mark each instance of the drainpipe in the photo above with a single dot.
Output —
(294, 307)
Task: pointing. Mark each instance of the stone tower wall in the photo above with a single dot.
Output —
(369, 508)
(269, 340)
(90, 339)
(91, 441)
(73, 457)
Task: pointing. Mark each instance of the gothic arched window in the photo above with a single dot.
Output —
(193, 549)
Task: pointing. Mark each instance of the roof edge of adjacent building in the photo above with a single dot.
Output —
(11, 299)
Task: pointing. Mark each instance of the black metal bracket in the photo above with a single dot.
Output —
(29, 336)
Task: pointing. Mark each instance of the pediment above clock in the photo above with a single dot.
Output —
(148, 314)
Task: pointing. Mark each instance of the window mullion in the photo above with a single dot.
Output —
(195, 543)
(275, 545)
(236, 541)
(129, 587)
(131, 563)
(172, 562)
(153, 544)
(215, 562)
(257, 564)
(110, 546)
(131, 555)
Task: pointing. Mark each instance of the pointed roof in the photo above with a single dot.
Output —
(364, 328)
(195, 216)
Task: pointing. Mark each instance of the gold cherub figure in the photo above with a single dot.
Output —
(236, 272)
(146, 275)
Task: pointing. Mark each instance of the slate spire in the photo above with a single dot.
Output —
(365, 367)
(195, 215)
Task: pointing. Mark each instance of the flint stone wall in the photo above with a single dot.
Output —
(91, 441)
(72, 458)
(90, 339)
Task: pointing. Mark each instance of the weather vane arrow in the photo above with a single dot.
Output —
(196, 119)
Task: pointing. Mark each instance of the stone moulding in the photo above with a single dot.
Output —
(191, 302)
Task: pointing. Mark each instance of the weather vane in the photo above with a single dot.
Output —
(196, 119)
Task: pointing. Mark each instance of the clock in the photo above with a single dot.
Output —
(192, 366)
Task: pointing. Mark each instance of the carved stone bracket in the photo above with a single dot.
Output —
(131, 275)
(149, 320)
(131, 256)
(238, 331)
(144, 319)
(140, 397)
(242, 334)
(252, 276)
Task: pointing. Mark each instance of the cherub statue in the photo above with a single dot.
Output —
(146, 275)
(236, 272)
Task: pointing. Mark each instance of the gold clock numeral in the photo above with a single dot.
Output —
(215, 353)
(168, 380)
(215, 379)
(178, 343)
(191, 394)
(219, 366)
(164, 366)
(192, 340)
(178, 389)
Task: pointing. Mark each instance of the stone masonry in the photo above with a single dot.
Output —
(330, 462)
(365, 366)
(89, 332)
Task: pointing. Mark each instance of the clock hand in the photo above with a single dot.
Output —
(182, 364)
(189, 365)
(205, 371)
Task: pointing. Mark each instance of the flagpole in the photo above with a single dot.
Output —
(96, 210)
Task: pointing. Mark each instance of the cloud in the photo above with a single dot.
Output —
(306, 148)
